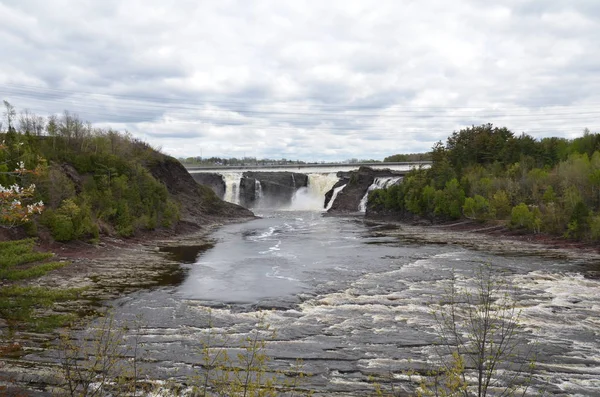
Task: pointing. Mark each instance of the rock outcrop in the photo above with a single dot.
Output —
(212, 180)
(270, 188)
(198, 203)
(357, 183)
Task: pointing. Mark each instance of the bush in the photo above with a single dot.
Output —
(578, 225)
(500, 204)
(477, 208)
(478, 327)
(62, 228)
(522, 217)
(449, 202)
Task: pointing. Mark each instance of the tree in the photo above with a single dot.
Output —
(522, 217)
(480, 350)
(16, 202)
(10, 113)
(477, 208)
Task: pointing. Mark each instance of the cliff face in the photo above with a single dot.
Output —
(212, 180)
(274, 188)
(357, 183)
(198, 203)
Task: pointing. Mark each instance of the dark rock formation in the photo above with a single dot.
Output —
(74, 176)
(357, 183)
(198, 203)
(344, 179)
(248, 194)
(276, 188)
(212, 180)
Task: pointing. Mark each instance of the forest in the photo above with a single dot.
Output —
(489, 174)
(62, 177)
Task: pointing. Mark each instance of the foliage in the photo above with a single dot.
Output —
(106, 360)
(487, 173)
(19, 305)
(399, 158)
(97, 364)
(477, 208)
(480, 350)
(97, 181)
(16, 202)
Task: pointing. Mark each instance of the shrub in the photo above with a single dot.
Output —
(478, 329)
(477, 208)
(500, 204)
(522, 217)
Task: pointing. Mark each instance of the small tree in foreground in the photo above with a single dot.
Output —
(481, 351)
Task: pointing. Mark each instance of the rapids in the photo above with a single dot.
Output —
(353, 304)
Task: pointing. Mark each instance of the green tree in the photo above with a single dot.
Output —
(477, 208)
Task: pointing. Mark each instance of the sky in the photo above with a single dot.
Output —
(303, 79)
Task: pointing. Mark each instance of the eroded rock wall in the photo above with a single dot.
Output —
(357, 183)
(276, 188)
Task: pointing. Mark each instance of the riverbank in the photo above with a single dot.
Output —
(120, 267)
(101, 273)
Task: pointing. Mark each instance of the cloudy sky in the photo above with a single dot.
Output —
(310, 80)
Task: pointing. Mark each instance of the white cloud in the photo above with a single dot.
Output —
(305, 79)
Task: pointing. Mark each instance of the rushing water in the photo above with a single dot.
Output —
(354, 305)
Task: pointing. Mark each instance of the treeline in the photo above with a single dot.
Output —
(233, 161)
(89, 180)
(487, 173)
(399, 158)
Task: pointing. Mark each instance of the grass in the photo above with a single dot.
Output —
(32, 272)
(19, 252)
(29, 307)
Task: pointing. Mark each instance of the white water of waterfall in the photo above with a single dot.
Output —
(232, 186)
(378, 183)
(336, 191)
(312, 197)
(258, 193)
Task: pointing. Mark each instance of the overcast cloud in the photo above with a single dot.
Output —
(310, 80)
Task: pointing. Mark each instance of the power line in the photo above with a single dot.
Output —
(167, 102)
(355, 123)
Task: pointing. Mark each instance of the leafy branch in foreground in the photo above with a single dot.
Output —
(482, 350)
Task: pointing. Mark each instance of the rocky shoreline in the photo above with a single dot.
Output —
(105, 272)
(497, 239)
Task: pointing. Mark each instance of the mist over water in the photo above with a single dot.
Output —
(353, 304)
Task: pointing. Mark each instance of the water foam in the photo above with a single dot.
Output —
(378, 183)
(312, 197)
(232, 186)
(336, 191)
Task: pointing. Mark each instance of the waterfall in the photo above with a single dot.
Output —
(293, 181)
(312, 197)
(336, 191)
(319, 184)
(258, 193)
(232, 186)
(378, 183)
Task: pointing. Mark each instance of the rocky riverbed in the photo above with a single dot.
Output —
(121, 267)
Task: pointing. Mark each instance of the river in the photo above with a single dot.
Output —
(354, 304)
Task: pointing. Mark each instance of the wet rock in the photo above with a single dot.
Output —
(357, 183)
(574, 300)
(276, 188)
(212, 180)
